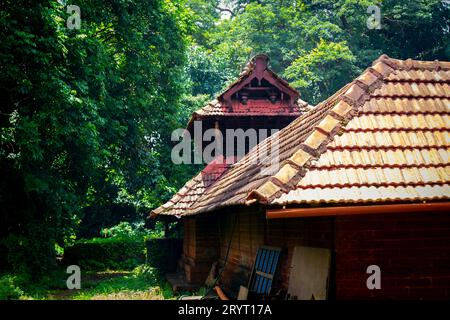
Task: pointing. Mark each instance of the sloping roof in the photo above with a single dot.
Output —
(250, 68)
(220, 108)
(383, 137)
(194, 188)
(252, 108)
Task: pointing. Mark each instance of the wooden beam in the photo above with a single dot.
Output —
(355, 210)
(260, 88)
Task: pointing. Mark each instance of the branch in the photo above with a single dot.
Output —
(225, 10)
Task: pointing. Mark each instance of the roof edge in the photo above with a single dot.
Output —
(391, 208)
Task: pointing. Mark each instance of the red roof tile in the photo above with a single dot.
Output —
(221, 107)
(383, 137)
(194, 188)
(252, 108)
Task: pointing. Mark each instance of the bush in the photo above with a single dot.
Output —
(150, 274)
(126, 231)
(33, 254)
(105, 253)
(9, 288)
(125, 246)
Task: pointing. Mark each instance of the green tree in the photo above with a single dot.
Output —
(85, 115)
(321, 44)
(325, 68)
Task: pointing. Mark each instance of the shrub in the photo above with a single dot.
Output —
(126, 231)
(26, 256)
(9, 288)
(105, 253)
(122, 247)
(150, 274)
(125, 246)
(137, 230)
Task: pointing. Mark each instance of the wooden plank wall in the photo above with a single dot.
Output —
(412, 250)
(200, 248)
(246, 238)
(252, 230)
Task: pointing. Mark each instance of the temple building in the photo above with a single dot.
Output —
(358, 206)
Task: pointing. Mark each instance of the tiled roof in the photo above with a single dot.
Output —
(194, 188)
(383, 137)
(261, 108)
(252, 108)
(249, 69)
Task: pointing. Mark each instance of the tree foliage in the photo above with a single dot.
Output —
(86, 115)
(319, 45)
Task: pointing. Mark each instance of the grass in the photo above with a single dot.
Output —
(143, 283)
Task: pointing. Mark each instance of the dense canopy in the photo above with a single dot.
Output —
(87, 113)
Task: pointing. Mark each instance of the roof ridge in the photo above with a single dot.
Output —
(250, 67)
(308, 137)
(411, 64)
(333, 122)
(301, 159)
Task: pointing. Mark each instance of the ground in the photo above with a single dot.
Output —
(115, 285)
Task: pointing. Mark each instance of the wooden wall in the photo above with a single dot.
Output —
(412, 250)
(252, 230)
(248, 235)
(200, 248)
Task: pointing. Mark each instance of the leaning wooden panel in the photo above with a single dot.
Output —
(310, 270)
